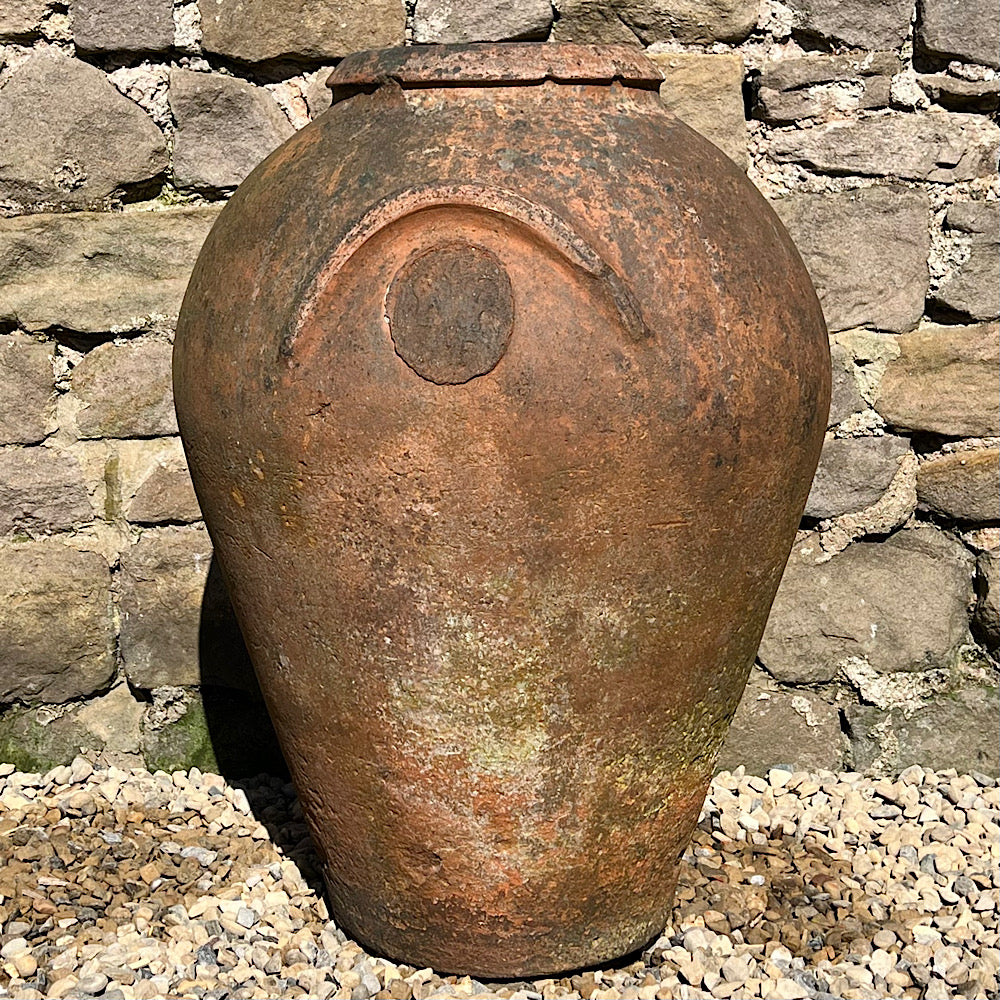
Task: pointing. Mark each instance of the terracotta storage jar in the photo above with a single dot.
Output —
(502, 392)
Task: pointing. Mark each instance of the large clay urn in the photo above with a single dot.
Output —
(502, 392)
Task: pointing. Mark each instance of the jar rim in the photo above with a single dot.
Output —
(493, 63)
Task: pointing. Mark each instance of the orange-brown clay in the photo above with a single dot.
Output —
(502, 391)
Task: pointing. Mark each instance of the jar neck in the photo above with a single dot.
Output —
(548, 93)
(592, 69)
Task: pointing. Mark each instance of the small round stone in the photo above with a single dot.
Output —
(823, 898)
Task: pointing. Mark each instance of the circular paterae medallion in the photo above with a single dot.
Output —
(451, 310)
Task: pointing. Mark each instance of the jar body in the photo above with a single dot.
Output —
(502, 403)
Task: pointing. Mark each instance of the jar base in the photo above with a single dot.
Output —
(530, 954)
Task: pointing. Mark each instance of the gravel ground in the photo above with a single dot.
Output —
(125, 884)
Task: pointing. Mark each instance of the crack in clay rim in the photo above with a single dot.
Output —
(493, 63)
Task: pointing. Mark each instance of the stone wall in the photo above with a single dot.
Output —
(124, 124)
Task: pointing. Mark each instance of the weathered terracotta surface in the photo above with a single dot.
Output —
(502, 391)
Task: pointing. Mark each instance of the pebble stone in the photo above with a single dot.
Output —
(128, 885)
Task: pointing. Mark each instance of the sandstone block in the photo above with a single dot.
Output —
(959, 94)
(20, 19)
(853, 474)
(125, 390)
(931, 146)
(986, 621)
(972, 290)
(177, 626)
(962, 485)
(589, 23)
(845, 396)
(225, 127)
(123, 25)
(98, 272)
(154, 485)
(706, 92)
(26, 390)
(977, 218)
(900, 604)
(956, 728)
(858, 23)
(108, 726)
(816, 85)
(86, 142)
(775, 725)
(114, 722)
(32, 740)
(317, 94)
(695, 21)
(41, 490)
(866, 251)
(56, 632)
(258, 30)
(443, 21)
(944, 381)
(959, 29)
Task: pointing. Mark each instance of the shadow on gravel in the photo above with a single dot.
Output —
(580, 977)
(243, 742)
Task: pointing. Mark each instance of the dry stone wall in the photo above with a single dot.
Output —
(125, 124)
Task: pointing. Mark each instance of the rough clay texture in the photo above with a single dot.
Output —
(125, 125)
